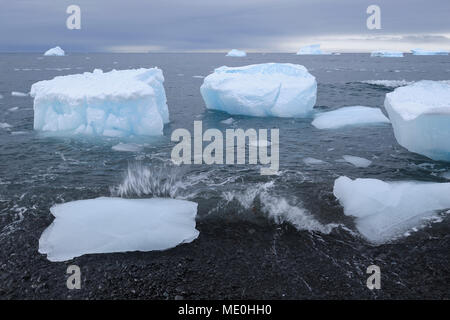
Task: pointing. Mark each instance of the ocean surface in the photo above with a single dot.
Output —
(38, 171)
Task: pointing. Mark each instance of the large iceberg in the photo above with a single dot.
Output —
(56, 51)
(105, 225)
(386, 210)
(349, 116)
(263, 90)
(311, 49)
(387, 54)
(117, 103)
(420, 115)
(236, 53)
(421, 52)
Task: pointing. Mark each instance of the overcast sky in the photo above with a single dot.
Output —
(210, 25)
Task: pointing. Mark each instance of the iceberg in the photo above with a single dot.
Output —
(349, 116)
(105, 225)
(357, 161)
(387, 54)
(420, 116)
(311, 49)
(421, 52)
(236, 53)
(56, 51)
(386, 210)
(116, 103)
(261, 90)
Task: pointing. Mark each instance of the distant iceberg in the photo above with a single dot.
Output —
(420, 115)
(105, 225)
(311, 49)
(236, 53)
(56, 51)
(421, 52)
(387, 54)
(349, 116)
(386, 210)
(116, 104)
(262, 90)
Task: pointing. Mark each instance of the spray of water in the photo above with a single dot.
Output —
(149, 181)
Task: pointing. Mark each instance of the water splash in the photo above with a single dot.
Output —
(153, 181)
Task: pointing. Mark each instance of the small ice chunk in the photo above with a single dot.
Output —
(420, 116)
(18, 94)
(115, 104)
(260, 143)
(387, 54)
(421, 52)
(357, 161)
(346, 116)
(56, 51)
(262, 90)
(127, 147)
(13, 109)
(236, 53)
(105, 225)
(4, 125)
(311, 49)
(313, 161)
(227, 121)
(1, 96)
(388, 83)
(385, 210)
(198, 77)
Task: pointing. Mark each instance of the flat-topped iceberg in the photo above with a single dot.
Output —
(262, 90)
(311, 49)
(236, 53)
(106, 225)
(420, 115)
(349, 116)
(387, 54)
(421, 52)
(56, 51)
(117, 103)
(386, 210)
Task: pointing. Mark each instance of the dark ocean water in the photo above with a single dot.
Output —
(37, 171)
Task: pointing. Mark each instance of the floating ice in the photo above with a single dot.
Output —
(227, 121)
(264, 90)
(421, 52)
(385, 210)
(117, 103)
(127, 147)
(13, 109)
(236, 53)
(1, 97)
(387, 54)
(105, 225)
(357, 161)
(4, 125)
(56, 51)
(311, 49)
(313, 161)
(18, 94)
(388, 83)
(346, 116)
(420, 115)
